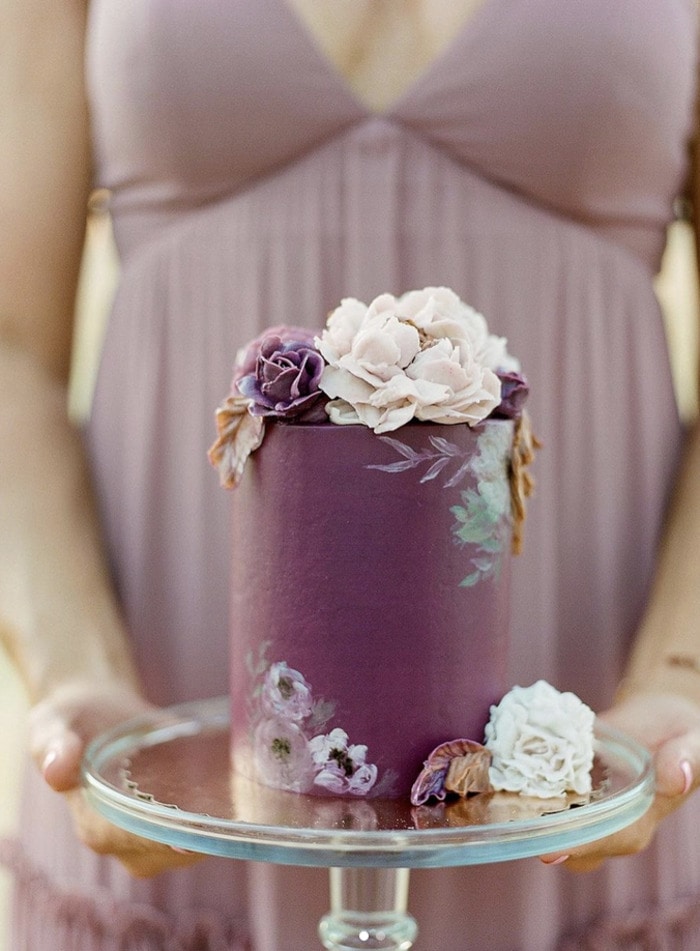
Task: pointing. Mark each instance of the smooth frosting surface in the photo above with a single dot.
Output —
(369, 606)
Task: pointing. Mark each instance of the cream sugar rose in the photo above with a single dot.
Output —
(380, 469)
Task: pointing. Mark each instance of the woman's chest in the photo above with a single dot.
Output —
(381, 47)
(581, 105)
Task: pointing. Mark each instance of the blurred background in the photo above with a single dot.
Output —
(678, 292)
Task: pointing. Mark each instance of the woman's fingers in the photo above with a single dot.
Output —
(60, 760)
(678, 765)
(141, 857)
(55, 747)
(670, 727)
(628, 841)
(62, 724)
(60, 727)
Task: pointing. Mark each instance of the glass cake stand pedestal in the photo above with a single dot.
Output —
(169, 778)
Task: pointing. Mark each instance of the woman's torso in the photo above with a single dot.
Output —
(583, 108)
(532, 165)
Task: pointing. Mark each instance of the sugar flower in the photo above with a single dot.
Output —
(541, 742)
(285, 381)
(424, 356)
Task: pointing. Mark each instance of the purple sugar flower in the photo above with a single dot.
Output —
(514, 392)
(474, 761)
(247, 357)
(285, 380)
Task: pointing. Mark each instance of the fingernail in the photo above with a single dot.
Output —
(557, 861)
(687, 771)
(180, 851)
(49, 760)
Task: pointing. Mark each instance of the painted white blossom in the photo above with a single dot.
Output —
(362, 780)
(285, 693)
(281, 755)
(342, 767)
(321, 746)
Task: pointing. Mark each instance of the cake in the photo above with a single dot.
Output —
(379, 474)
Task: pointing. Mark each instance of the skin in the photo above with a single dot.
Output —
(59, 618)
(381, 48)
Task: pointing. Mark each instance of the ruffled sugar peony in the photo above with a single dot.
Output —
(424, 356)
(341, 326)
(439, 312)
(470, 392)
(541, 742)
(285, 381)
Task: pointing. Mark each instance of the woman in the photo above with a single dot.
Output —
(266, 158)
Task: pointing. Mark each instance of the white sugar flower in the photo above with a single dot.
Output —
(439, 312)
(383, 347)
(541, 741)
(341, 327)
(353, 400)
(470, 390)
(425, 356)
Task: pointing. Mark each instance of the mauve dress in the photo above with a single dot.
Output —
(533, 168)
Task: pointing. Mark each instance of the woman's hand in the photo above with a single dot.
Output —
(60, 728)
(669, 726)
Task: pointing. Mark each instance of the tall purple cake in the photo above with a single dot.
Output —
(356, 604)
(369, 608)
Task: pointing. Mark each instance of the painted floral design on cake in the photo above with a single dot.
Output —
(292, 747)
(483, 517)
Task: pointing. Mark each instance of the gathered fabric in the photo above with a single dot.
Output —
(675, 927)
(74, 921)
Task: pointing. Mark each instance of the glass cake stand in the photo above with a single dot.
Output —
(169, 778)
